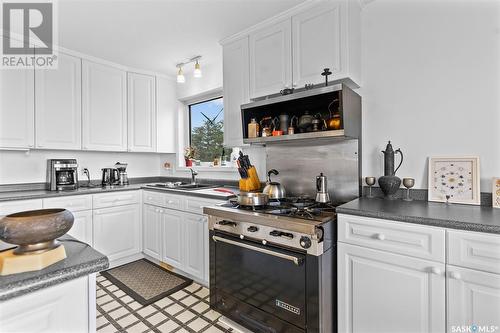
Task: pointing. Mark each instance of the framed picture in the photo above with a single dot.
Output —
(496, 192)
(454, 180)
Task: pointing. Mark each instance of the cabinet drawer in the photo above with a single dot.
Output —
(195, 205)
(73, 203)
(403, 238)
(10, 207)
(154, 198)
(474, 250)
(115, 199)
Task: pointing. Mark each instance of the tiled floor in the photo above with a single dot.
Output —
(184, 311)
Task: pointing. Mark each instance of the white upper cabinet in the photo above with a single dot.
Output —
(17, 115)
(58, 105)
(317, 43)
(270, 59)
(141, 113)
(166, 115)
(104, 93)
(236, 89)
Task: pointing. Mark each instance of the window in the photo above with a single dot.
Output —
(206, 130)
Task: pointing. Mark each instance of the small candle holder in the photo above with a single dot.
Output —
(370, 181)
(408, 183)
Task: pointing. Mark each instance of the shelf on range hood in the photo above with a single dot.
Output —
(299, 136)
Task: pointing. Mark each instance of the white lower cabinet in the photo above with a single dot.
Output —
(117, 231)
(176, 232)
(473, 298)
(172, 238)
(82, 227)
(66, 307)
(194, 240)
(151, 231)
(385, 292)
(184, 242)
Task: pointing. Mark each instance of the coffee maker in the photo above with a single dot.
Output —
(62, 174)
(122, 173)
(322, 195)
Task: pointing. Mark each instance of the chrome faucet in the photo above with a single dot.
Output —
(193, 176)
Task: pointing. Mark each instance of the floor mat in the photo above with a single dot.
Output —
(145, 281)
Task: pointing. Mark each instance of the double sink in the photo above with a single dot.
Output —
(181, 186)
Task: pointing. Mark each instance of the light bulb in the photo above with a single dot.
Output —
(180, 76)
(197, 70)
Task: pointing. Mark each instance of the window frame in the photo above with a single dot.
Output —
(189, 113)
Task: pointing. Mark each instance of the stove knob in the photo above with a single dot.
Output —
(252, 229)
(305, 242)
(275, 233)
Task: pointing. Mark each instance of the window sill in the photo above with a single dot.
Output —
(208, 168)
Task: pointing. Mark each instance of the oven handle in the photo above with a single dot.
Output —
(295, 260)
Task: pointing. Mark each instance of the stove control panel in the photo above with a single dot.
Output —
(267, 235)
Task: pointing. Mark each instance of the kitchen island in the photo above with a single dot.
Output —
(59, 298)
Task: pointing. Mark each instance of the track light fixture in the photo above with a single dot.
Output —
(197, 69)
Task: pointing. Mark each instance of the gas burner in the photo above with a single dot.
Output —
(299, 207)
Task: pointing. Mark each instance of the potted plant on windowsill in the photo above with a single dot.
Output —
(189, 155)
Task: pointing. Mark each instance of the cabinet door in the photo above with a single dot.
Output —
(236, 89)
(473, 298)
(317, 43)
(141, 113)
(104, 102)
(151, 221)
(172, 240)
(385, 292)
(58, 105)
(117, 231)
(194, 238)
(60, 308)
(270, 59)
(82, 227)
(166, 118)
(17, 113)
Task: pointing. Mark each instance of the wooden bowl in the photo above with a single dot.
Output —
(35, 231)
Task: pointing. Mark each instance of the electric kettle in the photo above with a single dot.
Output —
(110, 176)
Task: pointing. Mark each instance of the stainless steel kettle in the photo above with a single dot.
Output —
(322, 195)
(274, 190)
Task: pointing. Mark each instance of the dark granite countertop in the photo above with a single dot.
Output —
(42, 194)
(456, 216)
(81, 260)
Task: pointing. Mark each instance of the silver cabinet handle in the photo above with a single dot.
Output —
(296, 261)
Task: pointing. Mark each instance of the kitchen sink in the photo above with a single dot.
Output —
(181, 186)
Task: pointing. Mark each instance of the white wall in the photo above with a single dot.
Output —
(21, 167)
(431, 72)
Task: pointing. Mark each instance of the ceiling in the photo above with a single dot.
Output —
(156, 35)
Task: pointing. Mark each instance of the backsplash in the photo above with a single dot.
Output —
(31, 167)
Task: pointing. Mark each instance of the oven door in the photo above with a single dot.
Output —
(269, 278)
